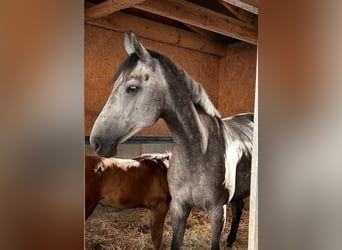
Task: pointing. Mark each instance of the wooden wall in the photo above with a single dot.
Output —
(228, 81)
(237, 80)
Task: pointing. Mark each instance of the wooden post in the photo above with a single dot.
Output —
(253, 205)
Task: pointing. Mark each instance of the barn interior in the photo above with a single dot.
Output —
(214, 41)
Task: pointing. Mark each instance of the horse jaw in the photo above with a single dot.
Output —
(129, 134)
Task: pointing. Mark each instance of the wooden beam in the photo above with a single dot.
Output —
(209, 35)
(240, 13)
(145, 28)
(108, 7)
(205, 33)
(251, 2)
(248, 5)
(201, 17)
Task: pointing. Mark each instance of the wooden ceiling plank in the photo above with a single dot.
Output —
(201, 17)
(108, 7)
(248, 5)
(156, 31)
(240, 13)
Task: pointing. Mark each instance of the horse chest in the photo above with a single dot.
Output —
(195, 188)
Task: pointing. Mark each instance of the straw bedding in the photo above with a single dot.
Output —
(111, 229)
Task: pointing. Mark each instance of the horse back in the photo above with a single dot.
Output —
(244, 119)
(239, 128)
(141, 186)
(239, 132)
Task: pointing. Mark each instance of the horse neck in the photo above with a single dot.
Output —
(188, 123)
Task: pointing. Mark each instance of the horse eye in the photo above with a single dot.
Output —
(131, 89)
(146, 77)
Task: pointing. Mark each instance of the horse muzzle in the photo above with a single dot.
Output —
(103, 147)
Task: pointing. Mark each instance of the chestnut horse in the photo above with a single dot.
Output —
(130, 183)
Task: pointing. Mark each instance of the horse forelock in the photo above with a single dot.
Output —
(126, 67)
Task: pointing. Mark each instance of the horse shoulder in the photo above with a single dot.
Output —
(158, 189)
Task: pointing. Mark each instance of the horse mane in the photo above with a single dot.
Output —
(112, 162)
(157, 157)
(125, 164)
(174, 74)
(196, 92)
(200, 98)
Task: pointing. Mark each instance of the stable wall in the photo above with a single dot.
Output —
(237, 80)
(229, 81)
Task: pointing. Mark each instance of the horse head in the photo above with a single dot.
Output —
(135, 102)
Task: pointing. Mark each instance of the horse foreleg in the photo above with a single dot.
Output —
(237, 207)
(158, 214)
(92, 196)
(90, 207)
(217, 217)
(179, 214)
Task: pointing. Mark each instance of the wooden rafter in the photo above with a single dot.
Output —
(248, 5)
(108, 7)
(156, 31)
(201, 17)
(240, 13)
(251, 2)
(205, 33)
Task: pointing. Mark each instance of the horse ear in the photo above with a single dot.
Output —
(128, 45)
(139, 48)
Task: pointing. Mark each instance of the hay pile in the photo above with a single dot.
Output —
(129, 229)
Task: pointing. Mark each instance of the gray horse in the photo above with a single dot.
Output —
(211, 161)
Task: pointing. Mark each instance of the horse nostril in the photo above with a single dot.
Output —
(96, 145)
